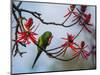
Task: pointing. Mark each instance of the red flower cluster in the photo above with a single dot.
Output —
(28, 24)
(24, 37)
(72, 7)
(86, 21)
(27, 35)
(87, 18)
(83, 8)
(71, 10)
(69, 42)
(81, 51)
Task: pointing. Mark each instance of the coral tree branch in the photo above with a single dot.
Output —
(37, 16)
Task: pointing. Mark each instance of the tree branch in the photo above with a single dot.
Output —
(16, 37)
(19, 4)
(37, 15)
(49, 54)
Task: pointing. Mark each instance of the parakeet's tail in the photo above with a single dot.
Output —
(39, 53)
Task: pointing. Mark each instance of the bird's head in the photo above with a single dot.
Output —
(48, 36)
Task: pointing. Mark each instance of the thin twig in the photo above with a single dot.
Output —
(16, 37)
(66, 19)
(54, 48)
(79, 33)
(19, 4)
(55, 56)
(37, 15)
(57, 51)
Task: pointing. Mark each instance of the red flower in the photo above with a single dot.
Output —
(70, 11)
(24, 37)
(68, 43)
(83, 8)
(27, 35)
(86, 20)
(28, 24)
(82, 52)
(93, 52)
(72, 7)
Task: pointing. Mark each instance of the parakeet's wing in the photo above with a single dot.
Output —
(43, 43)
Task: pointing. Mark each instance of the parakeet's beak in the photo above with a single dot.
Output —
(50, 39)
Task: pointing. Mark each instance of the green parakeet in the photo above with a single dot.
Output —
(43, 41)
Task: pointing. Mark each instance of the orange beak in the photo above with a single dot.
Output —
(50, 39)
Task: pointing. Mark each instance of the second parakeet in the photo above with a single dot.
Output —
(43, 41)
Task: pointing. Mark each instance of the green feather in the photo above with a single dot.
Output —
(43, 43)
